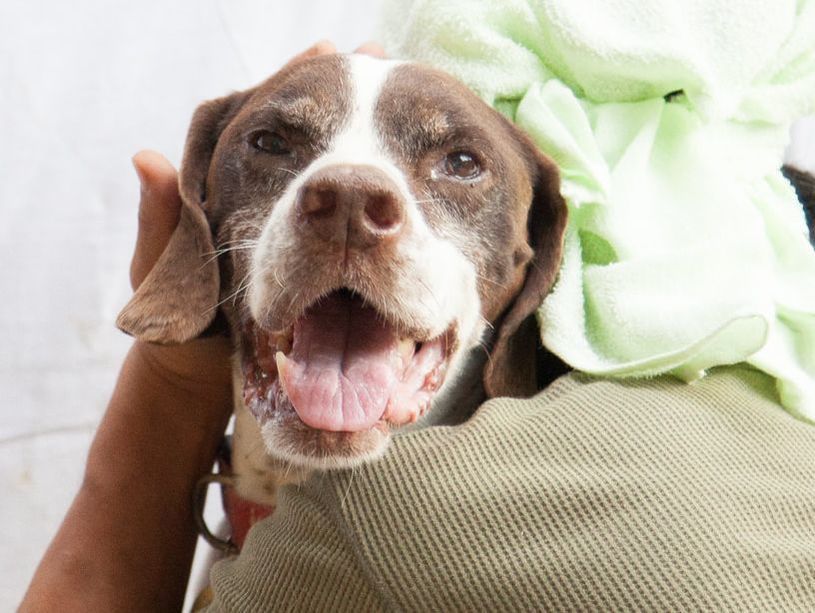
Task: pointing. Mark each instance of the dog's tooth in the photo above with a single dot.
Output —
(406, 348)
(283, 364)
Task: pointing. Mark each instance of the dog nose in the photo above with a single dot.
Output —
(357, 206)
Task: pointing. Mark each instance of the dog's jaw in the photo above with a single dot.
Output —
(272, 453)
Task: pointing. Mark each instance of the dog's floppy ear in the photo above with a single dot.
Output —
(511, 369)
(178, 298)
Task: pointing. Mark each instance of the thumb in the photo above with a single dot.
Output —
(159, 210)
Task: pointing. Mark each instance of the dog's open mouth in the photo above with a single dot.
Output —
(342, 367)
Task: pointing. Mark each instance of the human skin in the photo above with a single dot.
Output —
(127, 541)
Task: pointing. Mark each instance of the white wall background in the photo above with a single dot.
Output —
(84, 85)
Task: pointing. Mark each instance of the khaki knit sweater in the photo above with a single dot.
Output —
(594, 495)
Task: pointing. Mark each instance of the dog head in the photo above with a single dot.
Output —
(363, 224)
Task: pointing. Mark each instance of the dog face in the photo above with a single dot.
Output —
(374, 221)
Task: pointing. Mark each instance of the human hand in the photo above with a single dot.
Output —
(199, 365)
(325, 47)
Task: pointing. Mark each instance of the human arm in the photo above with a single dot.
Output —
(595, 494)
(128, 539)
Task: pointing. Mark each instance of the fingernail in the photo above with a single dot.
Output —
(140, 174)
(324, 46)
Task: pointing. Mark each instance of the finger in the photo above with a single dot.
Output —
(323, 47)
(371, 48)
(159, 210)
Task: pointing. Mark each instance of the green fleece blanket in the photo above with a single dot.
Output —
(686, 247)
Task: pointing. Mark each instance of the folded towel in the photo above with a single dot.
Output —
(686, 246)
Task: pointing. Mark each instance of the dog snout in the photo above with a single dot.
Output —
(354, 206)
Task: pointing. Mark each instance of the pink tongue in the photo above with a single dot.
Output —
(342, 367)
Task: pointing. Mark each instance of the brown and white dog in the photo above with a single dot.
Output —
(383, 239)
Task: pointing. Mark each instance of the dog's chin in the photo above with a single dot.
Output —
(327, 390)
(289, 439)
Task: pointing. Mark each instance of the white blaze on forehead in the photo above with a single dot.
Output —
(358, 142)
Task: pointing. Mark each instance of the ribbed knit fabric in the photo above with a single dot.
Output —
(594, 495)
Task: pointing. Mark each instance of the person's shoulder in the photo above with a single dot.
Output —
(574, 483)
(595, 490)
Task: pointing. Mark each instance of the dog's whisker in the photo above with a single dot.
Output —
(225, 246)
(483, 345)
(485, 348)
(235, 244)
(490, 281)
(277, 278)
(234, 295)
(214, 255)
(244, 285)
(238, 240)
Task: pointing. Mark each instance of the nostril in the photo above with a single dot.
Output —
(355, 206)
(383, 213)
(318, 203)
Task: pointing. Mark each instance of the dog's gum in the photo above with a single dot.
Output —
(433, 379)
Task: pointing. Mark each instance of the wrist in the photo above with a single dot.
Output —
(169, 402)
(197, 368)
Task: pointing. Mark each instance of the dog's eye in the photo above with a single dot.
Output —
(270, 142)
(462, 165)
